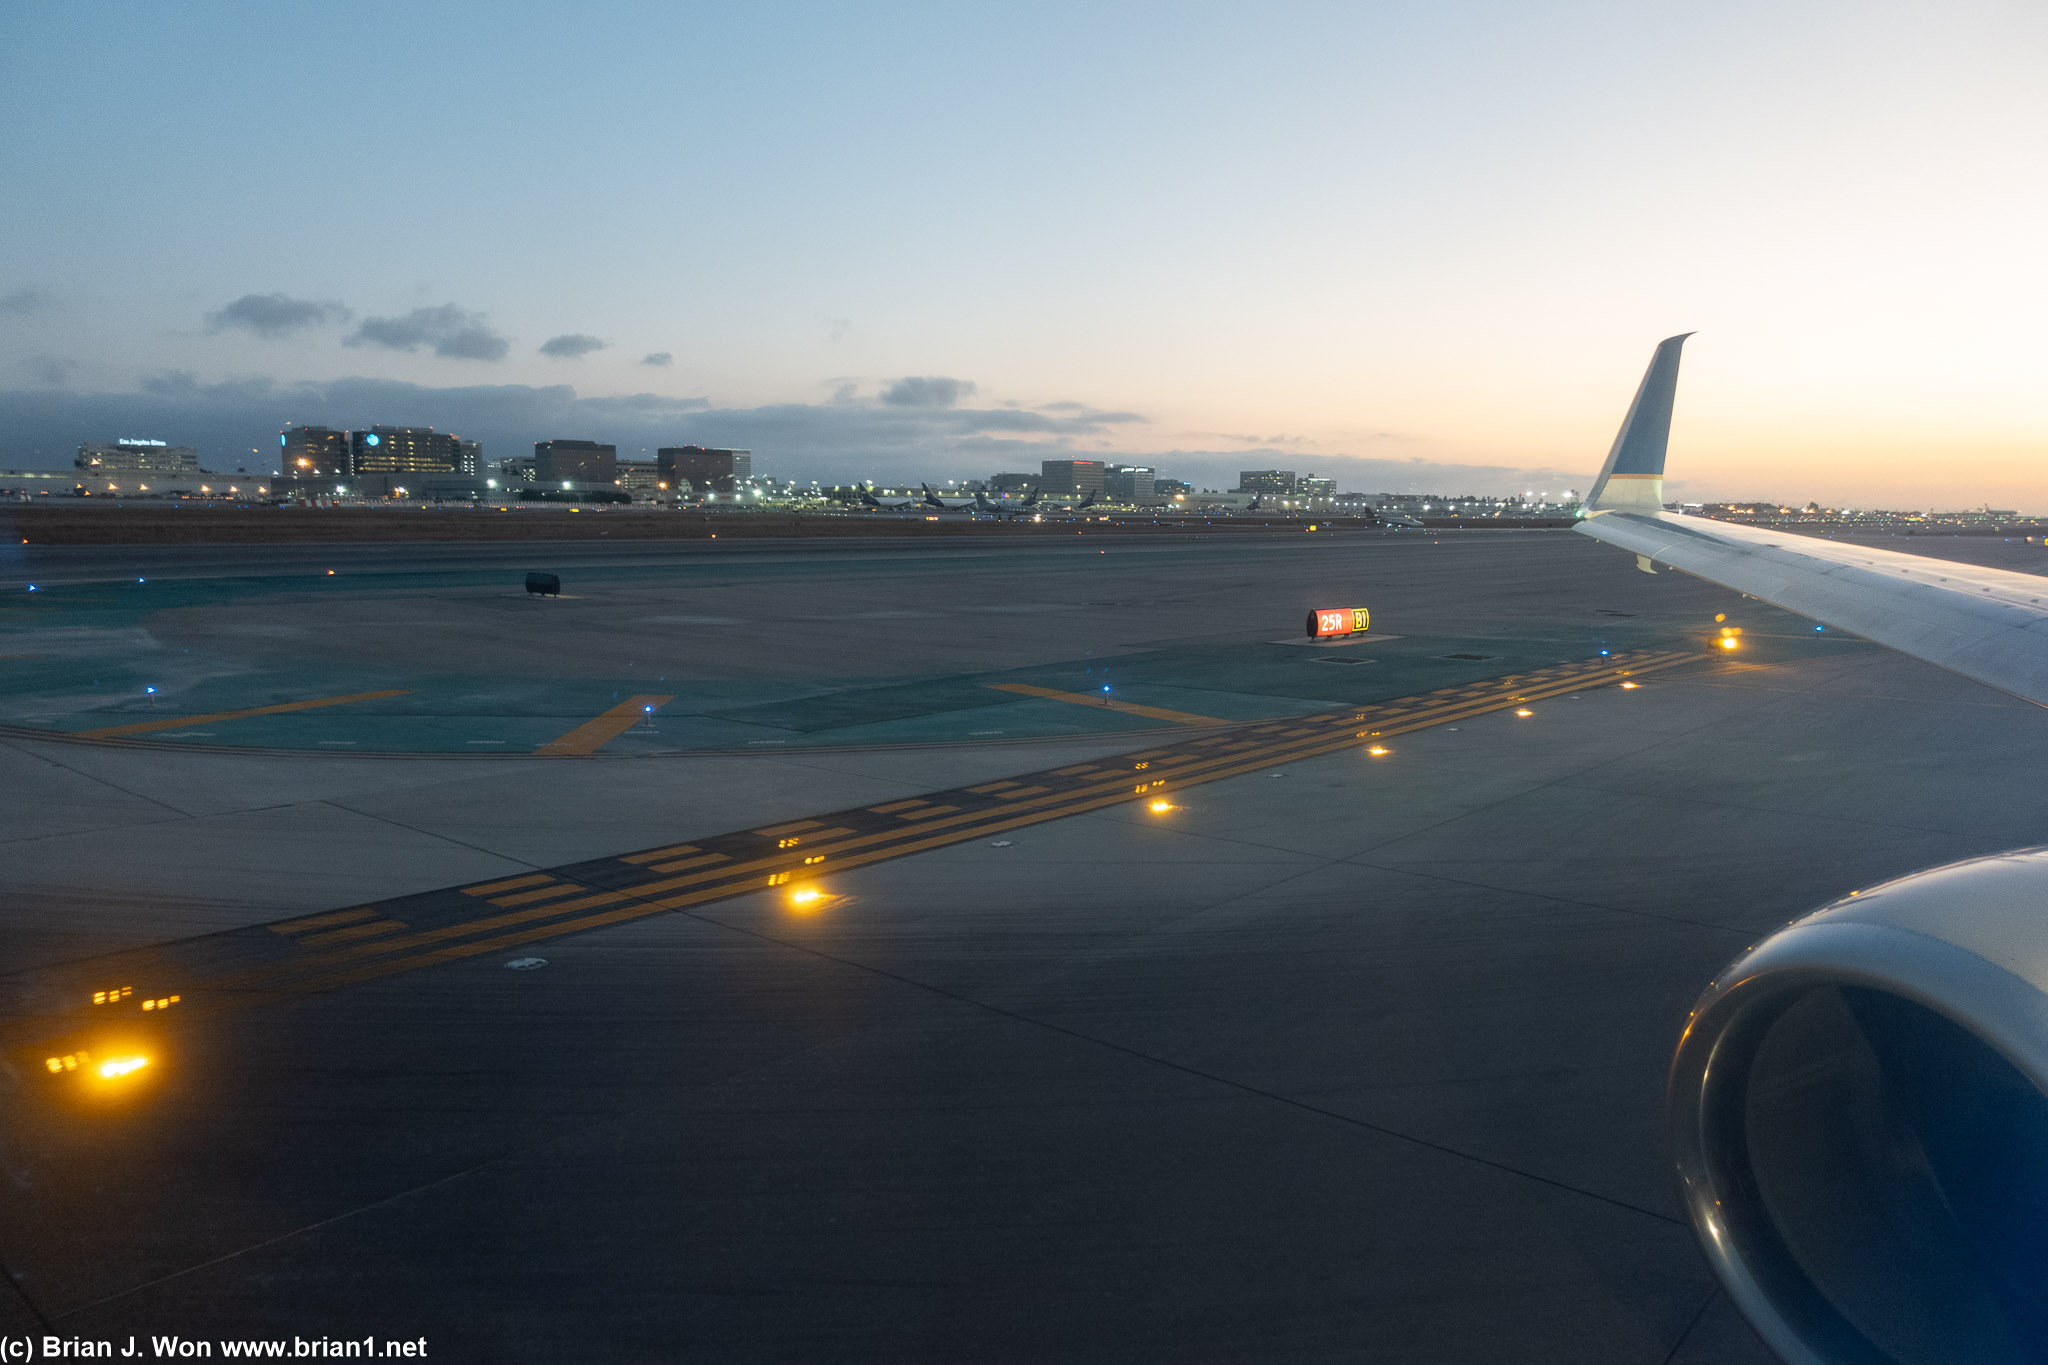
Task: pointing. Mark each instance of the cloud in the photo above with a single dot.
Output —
(571, 346)
(657, 358)
(275, 315)
(836, 328)
(451, 331)
(929, 391)
(52, 372)
(26, 300)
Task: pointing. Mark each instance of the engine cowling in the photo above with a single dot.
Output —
(1859, 1117)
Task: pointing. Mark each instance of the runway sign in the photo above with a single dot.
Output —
(1327, 621)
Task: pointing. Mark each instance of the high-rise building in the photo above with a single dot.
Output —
(707, 469)
(575, 461)
(1128, 482)
(1060, 477)
(1279, 481)
(387, 456)
(470, 457)
(313, 453)
(1319, 490)
(131, 455)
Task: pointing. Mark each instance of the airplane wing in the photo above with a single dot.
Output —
(1986, 624)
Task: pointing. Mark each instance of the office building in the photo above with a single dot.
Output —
(470, 457)
(642, 479)
(1012, 483)
(1280, 481)
(560, 462)
(1315, 489)
(706, 469)
(134, 456)
(1129, 482)
(1062, 477)
(313, 453)
(384, 458)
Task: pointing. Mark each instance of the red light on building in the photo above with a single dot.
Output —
(1325, 622)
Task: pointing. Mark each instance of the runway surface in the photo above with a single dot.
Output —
(699, 648)
(1334, 1054)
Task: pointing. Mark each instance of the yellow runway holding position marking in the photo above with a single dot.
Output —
(177, 722)
(1128, 708)
(593, 735)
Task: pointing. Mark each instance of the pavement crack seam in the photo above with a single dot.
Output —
(21, 1292)
(1243, 1087)
(95, 777)
(1692, 1326)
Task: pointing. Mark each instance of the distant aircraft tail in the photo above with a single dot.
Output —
(868, 499)
(1085, 503)
(1632, 480)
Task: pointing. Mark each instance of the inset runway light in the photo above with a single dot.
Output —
(1630, 686)
(122, 1066)
(805, 898)
(1161, 807)
(1730, 642)
(1379, 751)
(1524, 711)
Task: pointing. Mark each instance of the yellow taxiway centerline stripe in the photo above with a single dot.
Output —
(509, 884)
(870, 848)
(958, 828)
(1108, 704)
(142, 727)
(655, 855)
(599, 731)
(312, 922)
(641, 909)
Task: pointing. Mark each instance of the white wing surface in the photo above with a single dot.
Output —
(1987, 624)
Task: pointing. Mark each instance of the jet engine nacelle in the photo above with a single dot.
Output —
(1859, 1118)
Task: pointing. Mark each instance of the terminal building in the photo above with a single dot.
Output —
(130, 455)
(707, 469)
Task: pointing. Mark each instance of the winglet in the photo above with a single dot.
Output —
(1632, 480)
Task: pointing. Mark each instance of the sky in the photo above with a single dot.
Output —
(1413, 246)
